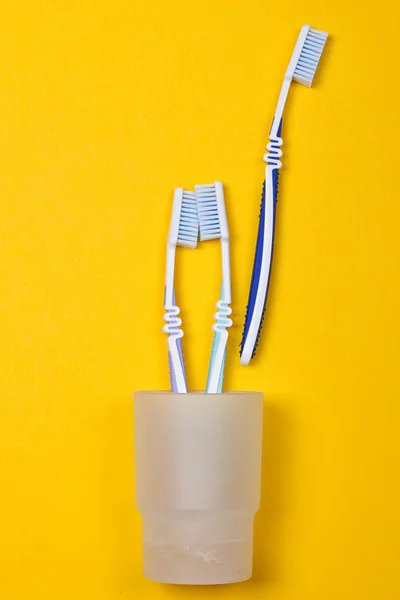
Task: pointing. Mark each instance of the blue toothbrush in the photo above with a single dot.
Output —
(302, 68)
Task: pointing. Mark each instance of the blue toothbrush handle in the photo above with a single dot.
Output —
(262, 266)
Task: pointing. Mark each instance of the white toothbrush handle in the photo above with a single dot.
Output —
(215, 375)
(218, 353)
(177, 367)
(175, 355)
(173, 327)
(222, 316)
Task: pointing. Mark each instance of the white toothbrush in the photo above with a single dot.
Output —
(183, 231)
(213, 225)
(302, 67)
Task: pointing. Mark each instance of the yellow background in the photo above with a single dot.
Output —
(105, 108)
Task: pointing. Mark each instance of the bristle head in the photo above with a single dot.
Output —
(309, 57)
(207, 206)
(189, 221)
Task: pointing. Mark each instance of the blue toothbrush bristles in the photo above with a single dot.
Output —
(309, 57)
(189, 221)
(207, 206)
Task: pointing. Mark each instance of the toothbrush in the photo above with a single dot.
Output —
(214, 225)
(183, 231)
(302, 68)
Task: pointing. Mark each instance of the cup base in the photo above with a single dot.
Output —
(199, 548)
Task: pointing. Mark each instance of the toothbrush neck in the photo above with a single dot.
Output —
(281, 105)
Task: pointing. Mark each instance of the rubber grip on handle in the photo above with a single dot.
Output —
(258, 258)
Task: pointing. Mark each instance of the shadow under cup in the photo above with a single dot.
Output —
(198, 478)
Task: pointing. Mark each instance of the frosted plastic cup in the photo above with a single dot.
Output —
(198, 477)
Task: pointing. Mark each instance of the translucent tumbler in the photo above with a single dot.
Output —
(198, 478)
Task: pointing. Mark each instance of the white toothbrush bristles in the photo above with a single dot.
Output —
(189, 221)
(309, 57)
(209, 221)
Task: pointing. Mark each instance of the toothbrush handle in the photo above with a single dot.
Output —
(175, 355)
(262, 266)
(217, 363)
(218, 353)
(176, 367)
